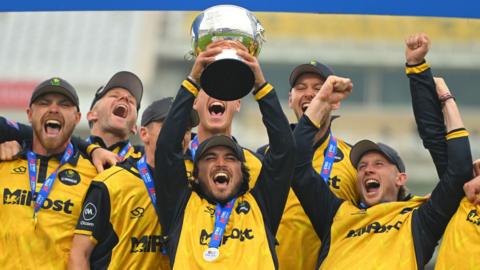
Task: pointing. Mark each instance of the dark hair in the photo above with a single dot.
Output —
(402, 193)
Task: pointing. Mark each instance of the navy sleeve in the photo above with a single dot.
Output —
(14, 131)
(428, 115)
(170, 172)
(278, 164)
(319, 203)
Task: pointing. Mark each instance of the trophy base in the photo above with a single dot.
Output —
(227, 79)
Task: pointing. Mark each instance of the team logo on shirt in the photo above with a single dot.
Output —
(25, 198)
(375, 227)
(235, 234)
(473, 217)
(243, 207)
(69, 177)
(137, 212)
(338, 155)
(147, 243)
(89, 211)
(209, 210)
(19, 170)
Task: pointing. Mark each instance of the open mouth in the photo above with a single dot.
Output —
(52, 127)
(372, 185)
(221, 178)
(120, 110)
(216, 108)
(304, 106)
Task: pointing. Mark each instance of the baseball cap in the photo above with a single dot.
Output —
(158, 111)
(58, 86)
(123, 79)
(364, 146)
(313, 67)
(219, 140)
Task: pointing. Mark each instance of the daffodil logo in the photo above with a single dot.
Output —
(55, 81)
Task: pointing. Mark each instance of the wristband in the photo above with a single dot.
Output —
(446, 97)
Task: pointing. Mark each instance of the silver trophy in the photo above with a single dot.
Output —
(228, 78)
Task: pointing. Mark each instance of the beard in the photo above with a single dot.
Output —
(53, 145)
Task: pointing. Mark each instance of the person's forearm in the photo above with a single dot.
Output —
(82, 248)
(78, 262)
(453, 119)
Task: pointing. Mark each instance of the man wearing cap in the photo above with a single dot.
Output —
(219, 222)
(112, 118)
(216, 117)
(113, 114)
(330, 159)
(119, 227)
(387, 228)
(43, 189)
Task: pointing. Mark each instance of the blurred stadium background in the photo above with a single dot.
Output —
(86, 48)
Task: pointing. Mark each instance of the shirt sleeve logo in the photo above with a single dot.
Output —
(137, 212)
(89, 211)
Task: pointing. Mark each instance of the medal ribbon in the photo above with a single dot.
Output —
(122, 152)
(47, 185)
(222, 215)
(329, 158)
(193, 146)
(147, 179)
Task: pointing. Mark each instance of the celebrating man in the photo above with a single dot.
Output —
(44, 188)
(219, 221)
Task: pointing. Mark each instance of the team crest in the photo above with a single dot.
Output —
(243, 207)
(69, 177)
(55, 81)
(338, 155)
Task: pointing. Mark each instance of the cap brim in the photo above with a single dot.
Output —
(360, 148)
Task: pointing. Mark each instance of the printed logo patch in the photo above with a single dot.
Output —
(338, 155)
(55, 81)
(243, 207)
(19, 170)
(137, 212)
(89, 211)
(69, 177)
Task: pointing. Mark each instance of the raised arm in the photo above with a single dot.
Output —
(427, 108)
(319, 203)
(170, 173)
(278, 163)
(435, 214)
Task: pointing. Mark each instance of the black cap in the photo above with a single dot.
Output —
(58, 86)
(123, 79)
(158, 111)
(314, 67)
(219, 140)
(364, 146)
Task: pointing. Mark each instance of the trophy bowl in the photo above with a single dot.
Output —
(228, 77)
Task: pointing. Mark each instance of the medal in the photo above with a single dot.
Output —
(211, 254)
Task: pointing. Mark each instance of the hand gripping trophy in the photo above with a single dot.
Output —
(228, 77)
